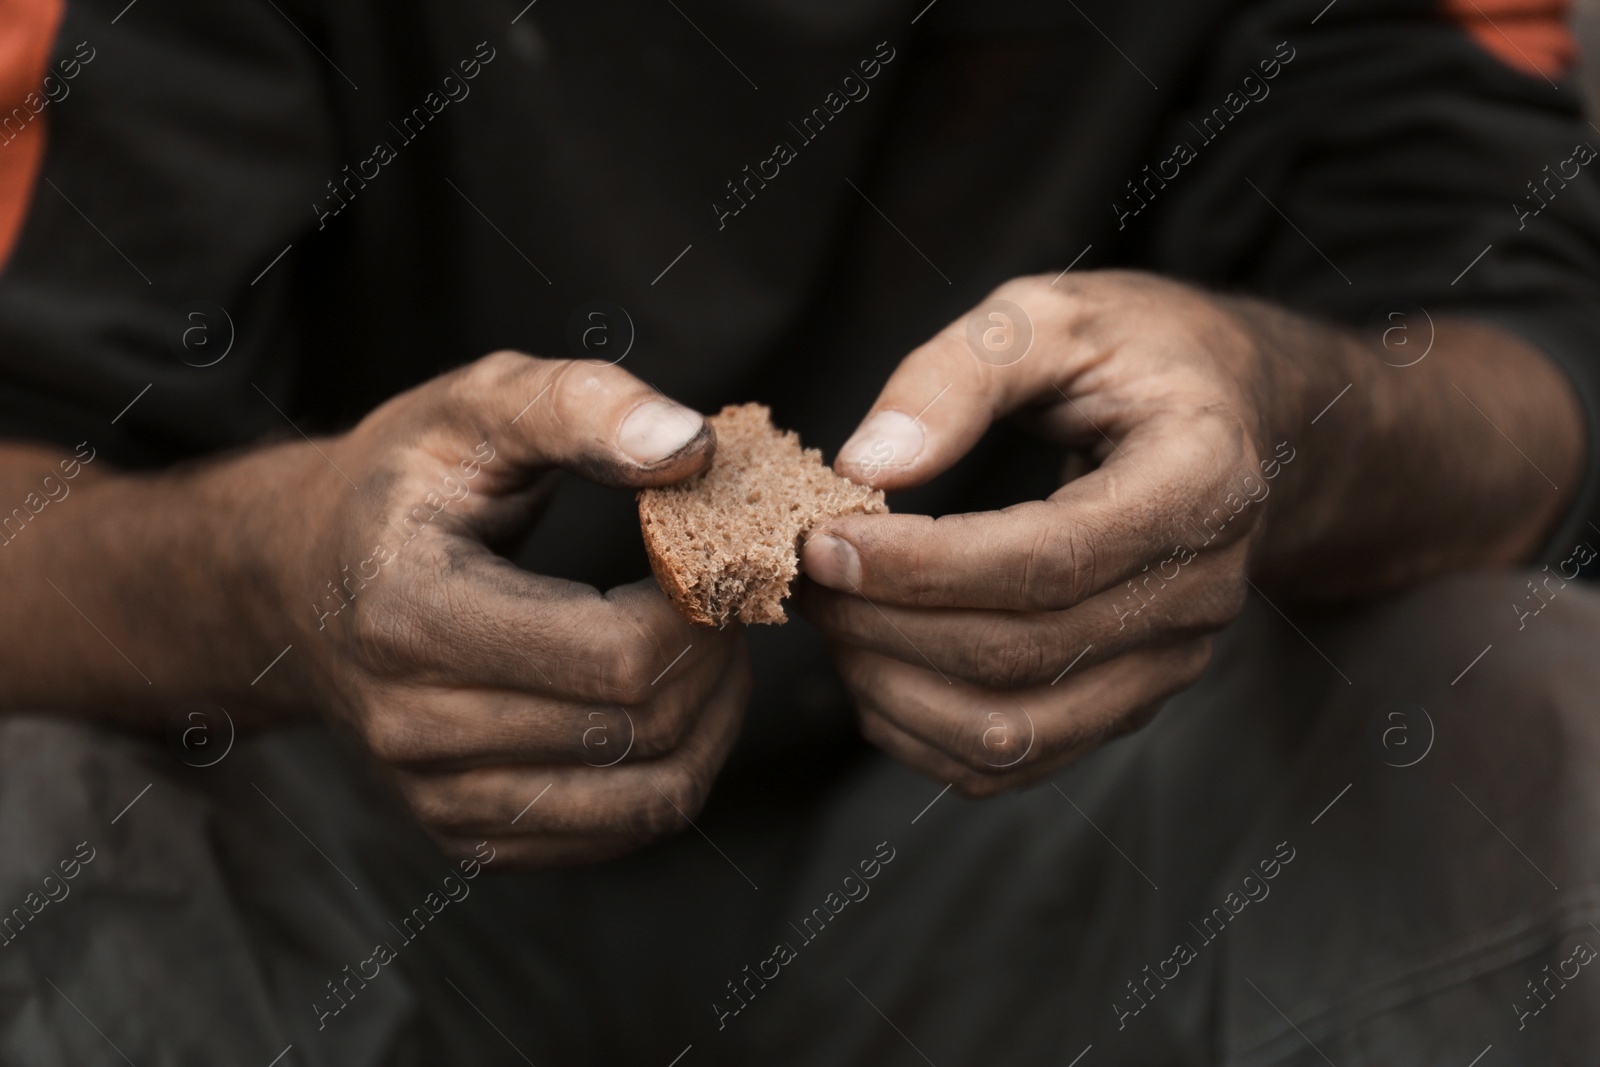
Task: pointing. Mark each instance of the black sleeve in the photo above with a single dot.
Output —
(178, 167)
(1391, 166)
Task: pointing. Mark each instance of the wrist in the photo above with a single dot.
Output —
(1463, 457)
(202, 586)
(267, 508)
(1326, 415)
(1296, 371)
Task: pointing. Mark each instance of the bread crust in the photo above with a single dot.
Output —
(673, 584)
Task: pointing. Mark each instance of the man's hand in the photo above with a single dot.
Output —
(559, 723)
(987, 650)
(481, 685)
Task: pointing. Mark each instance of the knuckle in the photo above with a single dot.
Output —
(1219, 605)
(388, 632)
(680, 723)
(1006, 659)
(974, 785)
(1004, 743)
(666, 728)
(389, 736)
(457, 849)
(1080, 577)
(488, 376)
(1059, 568)
(626, 655)
(611, 734)
(1196, 660)
(1131, 721)
(494, 370)
(1231, 601)
(1041, 571)
(878, 731)
(676, 798)
(431, 805)
(578, 387)
(624, 680)
(1028, 290)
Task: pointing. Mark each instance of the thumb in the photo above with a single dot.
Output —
(943, 397)
(593, 419)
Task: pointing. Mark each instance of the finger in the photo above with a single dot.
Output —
(1011, 649)
(457, 614)
(1029, 343)
(1003, 733)
(925, 759)
(441, 729)
(933, 409)
(593, 419)
(1008, 352)
(1171, 490)
(639, 801)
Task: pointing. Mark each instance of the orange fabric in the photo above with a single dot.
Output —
(1529, 35)
(27, 38)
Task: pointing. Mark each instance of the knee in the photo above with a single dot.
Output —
(1461, 687)
(1513, 650)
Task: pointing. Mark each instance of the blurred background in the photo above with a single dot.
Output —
(1587, 20)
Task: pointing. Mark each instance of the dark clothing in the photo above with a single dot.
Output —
(1373, 155)
(1387, 863)
(783, 198)
(594, 144)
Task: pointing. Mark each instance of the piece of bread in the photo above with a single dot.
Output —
(724, 545)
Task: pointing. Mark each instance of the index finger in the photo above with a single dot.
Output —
(461, 615)
(1007, 352)
(1162, 494)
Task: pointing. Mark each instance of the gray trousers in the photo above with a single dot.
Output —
(1363, 838)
